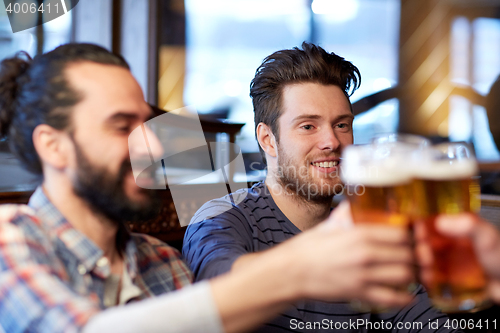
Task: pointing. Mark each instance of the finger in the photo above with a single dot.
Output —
(341, 216)
(386, 296)
(426, 276)
(485, 238)
(494, 291)
(385, 234)
(423, 254)
(419, 231)
(460, 225)
(391, 275)
(381, 254)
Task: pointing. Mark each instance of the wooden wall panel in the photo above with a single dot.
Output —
(424, 66)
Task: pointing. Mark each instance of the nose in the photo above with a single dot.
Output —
(154, 145)
(144, 144)
(329, 140)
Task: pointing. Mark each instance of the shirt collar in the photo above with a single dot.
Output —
(131, 255)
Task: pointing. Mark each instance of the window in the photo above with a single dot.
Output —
(475, 46)
(226, 40)
(365, 32)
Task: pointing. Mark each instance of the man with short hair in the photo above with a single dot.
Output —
(67, 260)
(303, 121)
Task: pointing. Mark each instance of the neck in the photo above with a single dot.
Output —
(303, 213)
(81, 216)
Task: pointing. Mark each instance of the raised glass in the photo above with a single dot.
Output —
(446, 183)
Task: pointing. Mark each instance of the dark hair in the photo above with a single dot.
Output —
(35, 91)
(311, 64)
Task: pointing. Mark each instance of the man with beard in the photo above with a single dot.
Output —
(303, 120)
(66, 258)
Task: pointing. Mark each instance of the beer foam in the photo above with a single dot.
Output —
(365, 165)
(446, 169)
(375, 174)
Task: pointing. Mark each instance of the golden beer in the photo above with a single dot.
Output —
(458, 282)
(389, 205)
(379, 189)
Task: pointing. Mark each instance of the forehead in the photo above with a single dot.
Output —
(105, 89)
(327, 101)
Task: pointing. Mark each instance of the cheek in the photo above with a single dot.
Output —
(299, 148)
(346, 139)
(111, 157)
(115, 151)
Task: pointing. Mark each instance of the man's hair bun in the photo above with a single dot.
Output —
(12, 72)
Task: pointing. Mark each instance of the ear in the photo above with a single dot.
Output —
(51, 145)
(266, 139)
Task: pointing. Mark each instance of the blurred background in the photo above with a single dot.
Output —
(426, 65)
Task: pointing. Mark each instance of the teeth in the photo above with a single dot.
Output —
(326, 164)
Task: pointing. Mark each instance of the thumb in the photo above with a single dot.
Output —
(485, 238)
(341, 217)
(460, 225)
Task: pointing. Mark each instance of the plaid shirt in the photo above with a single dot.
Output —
(52, 276)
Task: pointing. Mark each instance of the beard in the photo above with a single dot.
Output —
(105, 192)
(299, 181)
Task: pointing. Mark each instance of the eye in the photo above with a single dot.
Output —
(343, 126)
(307, 127)
(122, 128)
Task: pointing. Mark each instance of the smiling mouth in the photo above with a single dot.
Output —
(329, 164)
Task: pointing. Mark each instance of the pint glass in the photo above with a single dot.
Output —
(445, 184)
(409, 140)
(379, 186)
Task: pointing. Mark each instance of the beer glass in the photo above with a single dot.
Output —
(446, 184)
(378, 183)
(379, 188)
(410, 140)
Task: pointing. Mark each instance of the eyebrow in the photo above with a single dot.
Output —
(350, 116)
(128, 116)
(315, 116)
(305, 117)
